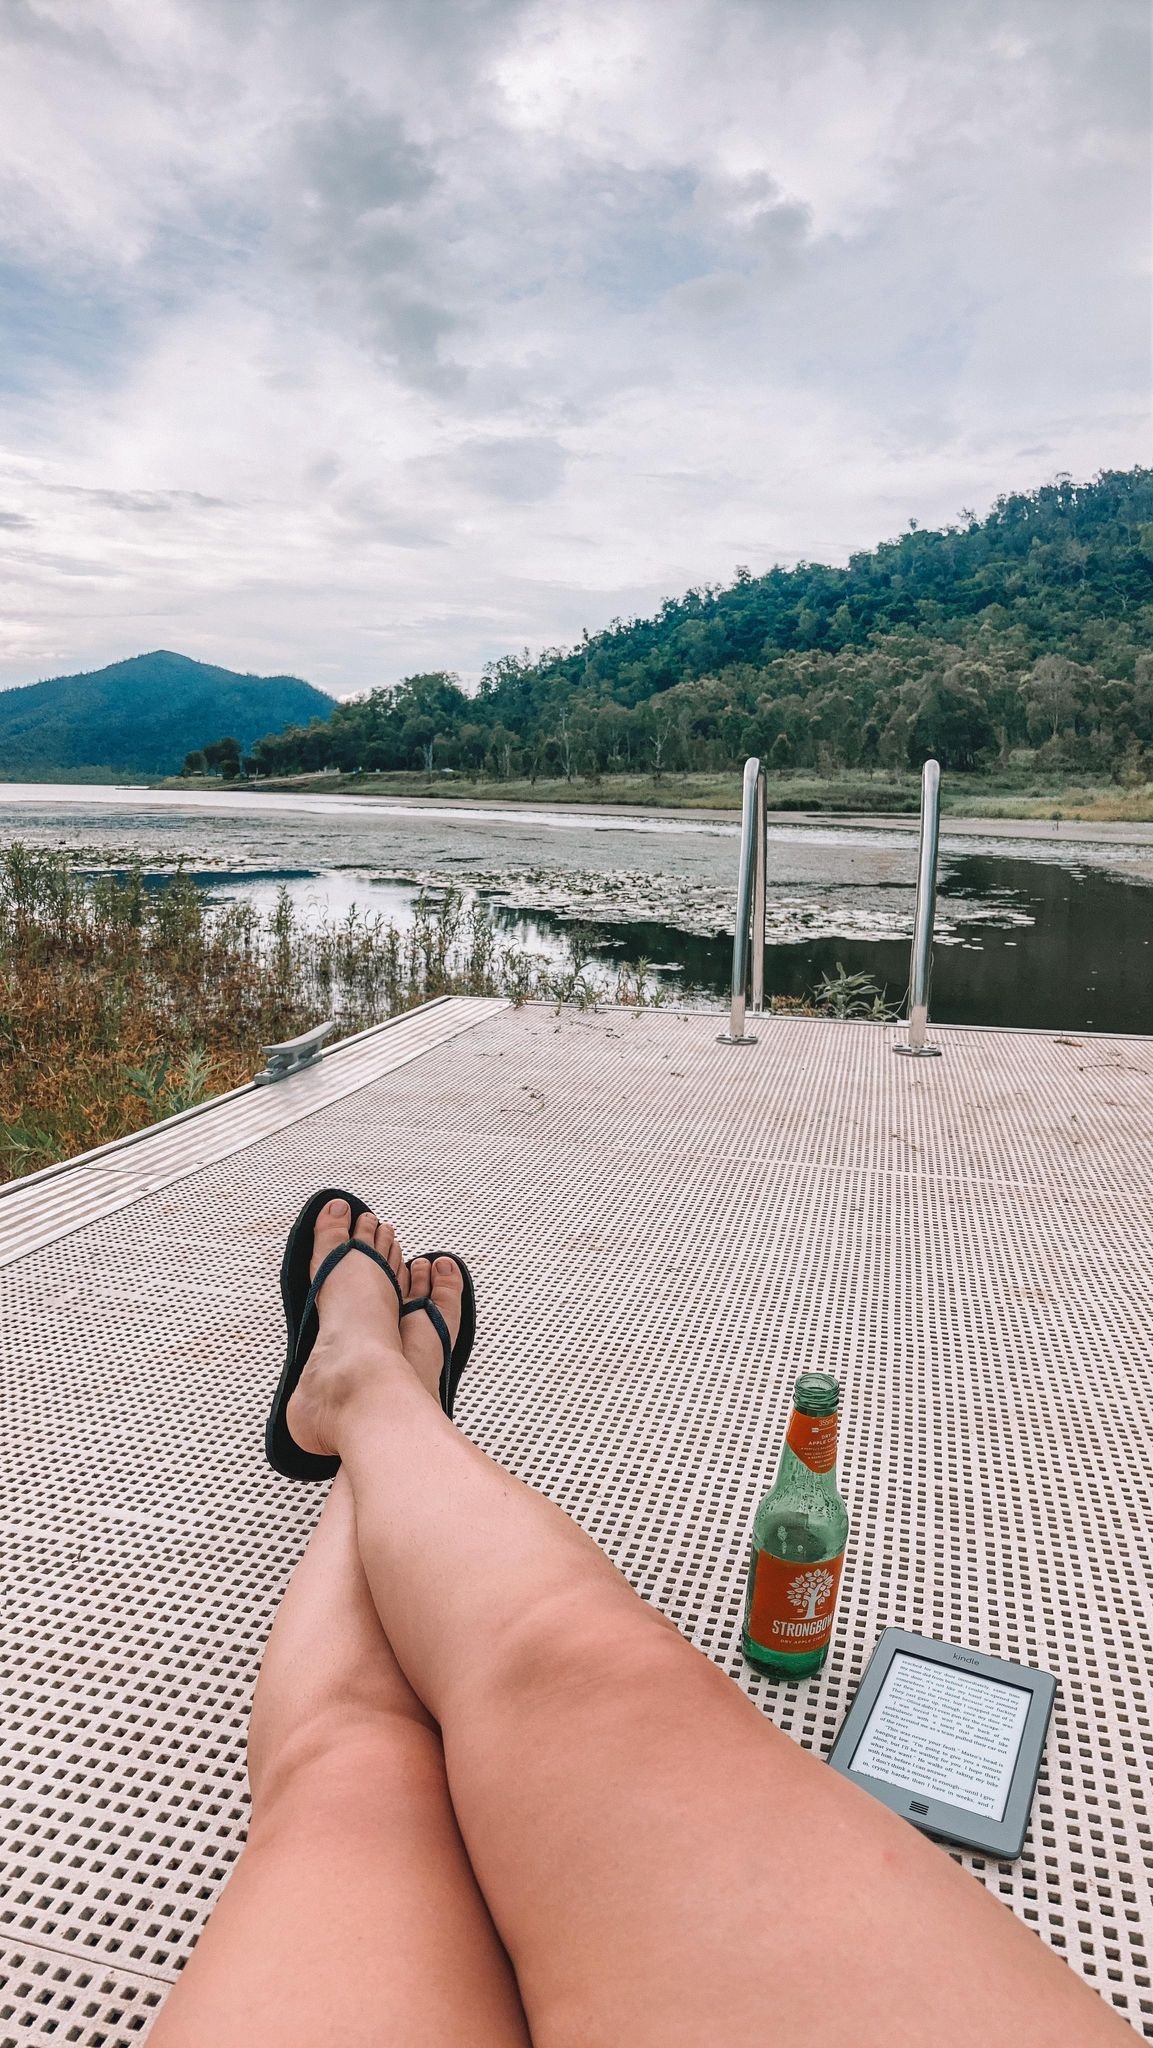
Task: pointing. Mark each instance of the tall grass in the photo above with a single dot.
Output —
(122, 1001)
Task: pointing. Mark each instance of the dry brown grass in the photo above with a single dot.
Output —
(1118, 806)
(122, 1002)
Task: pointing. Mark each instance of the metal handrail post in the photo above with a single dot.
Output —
(921, 957)
(761, 827)
(750, 904)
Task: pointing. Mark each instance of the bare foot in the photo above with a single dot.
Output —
(420, 1338)
(359, 1317)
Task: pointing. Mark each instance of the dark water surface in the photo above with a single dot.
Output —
(1083, 962)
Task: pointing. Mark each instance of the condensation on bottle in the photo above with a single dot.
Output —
(799, 1536)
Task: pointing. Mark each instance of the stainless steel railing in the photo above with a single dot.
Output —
(921, 959)
(750, 931)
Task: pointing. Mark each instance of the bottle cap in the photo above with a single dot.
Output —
(816, 1393)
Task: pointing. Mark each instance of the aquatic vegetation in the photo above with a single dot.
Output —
(125, 998)
(853, 995)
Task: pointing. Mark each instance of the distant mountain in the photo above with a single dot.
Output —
(142, 716)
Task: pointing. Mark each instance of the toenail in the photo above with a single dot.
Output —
(445, 1268)
(338, 1208)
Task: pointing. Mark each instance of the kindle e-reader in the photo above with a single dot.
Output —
(950, 1738)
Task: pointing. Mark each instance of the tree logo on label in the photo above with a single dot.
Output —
(810, 1590)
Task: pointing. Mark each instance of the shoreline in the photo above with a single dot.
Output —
(1136, 832)
(316, 793)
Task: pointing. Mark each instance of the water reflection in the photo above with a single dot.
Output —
(1083, 962)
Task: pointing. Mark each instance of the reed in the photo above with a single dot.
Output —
(126, 998)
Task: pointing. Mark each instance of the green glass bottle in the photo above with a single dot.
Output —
(799, 1536)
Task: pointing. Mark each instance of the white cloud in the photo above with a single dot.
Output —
(352, 339)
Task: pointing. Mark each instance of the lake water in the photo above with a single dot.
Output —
(1028, 932)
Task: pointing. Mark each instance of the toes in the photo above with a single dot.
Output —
(422, 1341)
(444, 1282)
(388, 1247)
(447, 1289)
(331, 1229)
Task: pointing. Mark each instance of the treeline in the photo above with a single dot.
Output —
(1032, 628)
(223, 758)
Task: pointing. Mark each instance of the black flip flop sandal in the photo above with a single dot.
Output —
(456, 1356)
(299, 1291)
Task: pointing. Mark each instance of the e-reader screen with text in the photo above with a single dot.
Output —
(951, 1735)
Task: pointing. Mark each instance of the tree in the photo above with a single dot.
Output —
(834, 721)
(222, 751)
(659, 728)
(779, 753)
(951, 723)
(1050, 693)
(615, 732)
(418, 737)
(502, 747)
(472, 743)
(194, 764)
(1140, 696)
(563, 741)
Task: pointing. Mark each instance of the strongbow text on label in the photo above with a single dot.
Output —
(792, 1605)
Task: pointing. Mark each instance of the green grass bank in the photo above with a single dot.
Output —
(1013, 793)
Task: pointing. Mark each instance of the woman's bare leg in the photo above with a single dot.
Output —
(663, 1865)
(352, 1917)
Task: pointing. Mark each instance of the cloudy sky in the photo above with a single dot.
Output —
(352, 337)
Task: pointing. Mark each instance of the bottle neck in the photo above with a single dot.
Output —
(810, 1453)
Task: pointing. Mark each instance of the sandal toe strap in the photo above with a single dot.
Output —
(427, 1306)
(333, 1259)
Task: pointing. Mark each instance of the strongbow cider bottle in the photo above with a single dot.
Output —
(799, 1541)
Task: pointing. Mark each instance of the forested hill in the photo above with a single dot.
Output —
(141, 716)
(1030, 628)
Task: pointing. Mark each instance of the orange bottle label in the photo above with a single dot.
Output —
(813, 1439)
(792, 1604)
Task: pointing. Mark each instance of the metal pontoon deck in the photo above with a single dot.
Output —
(663, 1229)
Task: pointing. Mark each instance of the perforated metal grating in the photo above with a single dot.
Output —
(663, 1230)
(58, 1198)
